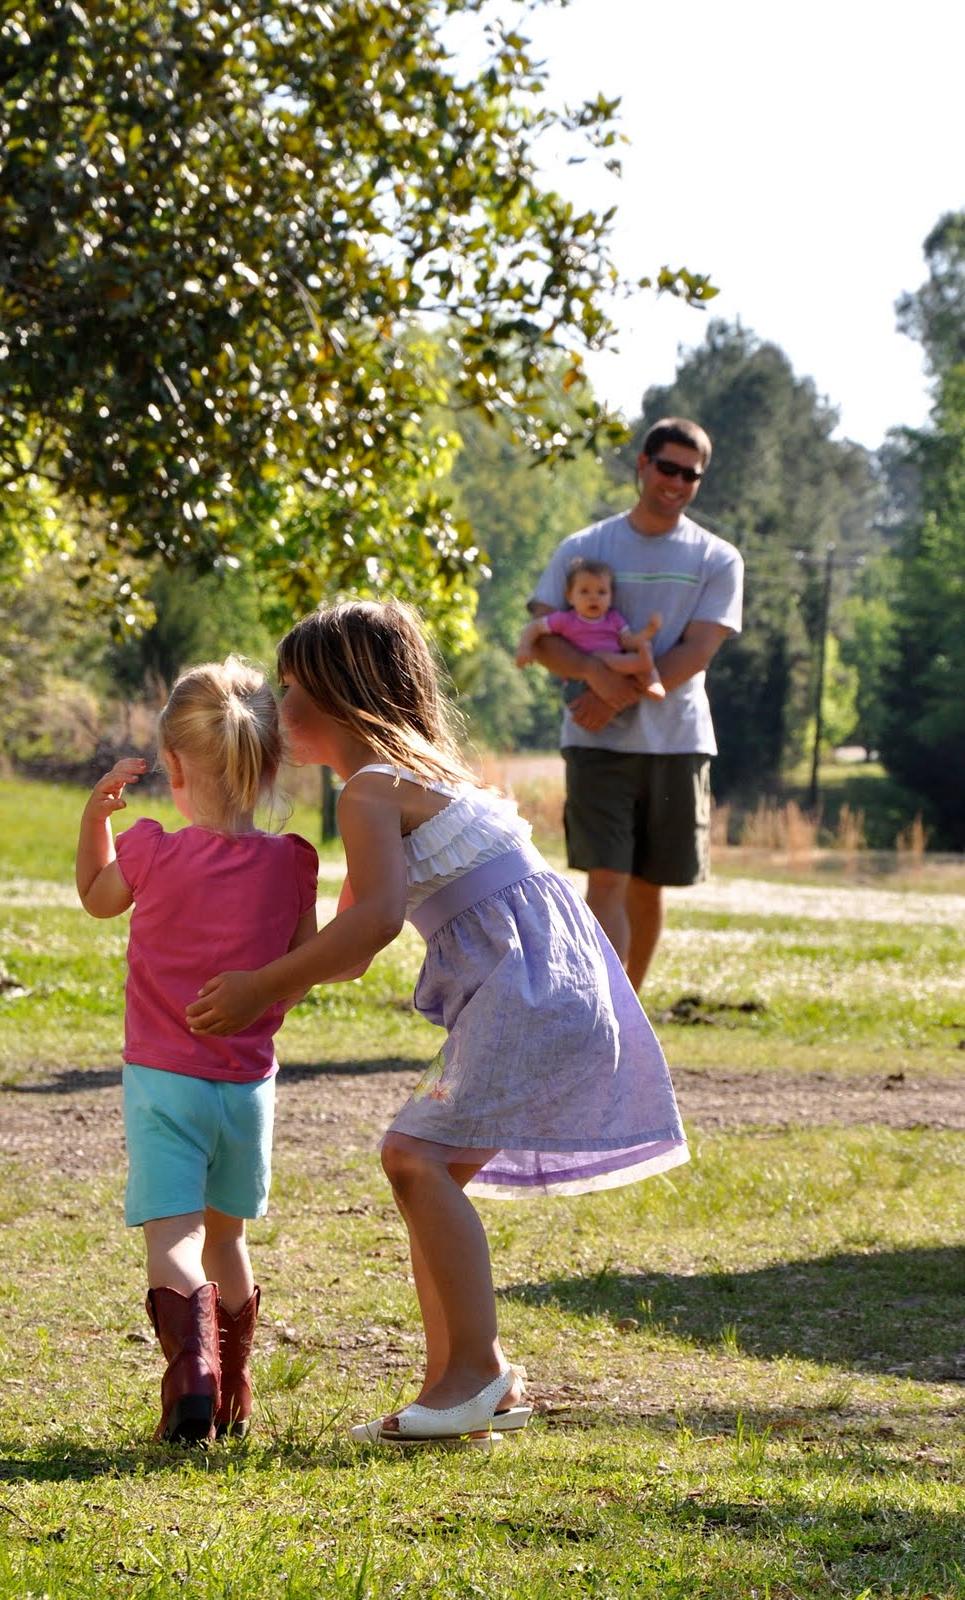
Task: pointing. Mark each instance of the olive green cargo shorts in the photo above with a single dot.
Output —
(647, 815)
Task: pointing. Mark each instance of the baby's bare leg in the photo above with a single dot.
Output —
(639, 644)
(627, 662)
(636, 664)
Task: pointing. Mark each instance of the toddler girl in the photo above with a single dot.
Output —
(198, 1112)
(591, 624)
(550, 1079)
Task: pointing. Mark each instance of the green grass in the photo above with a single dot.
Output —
(747, 1372)
(841, 995)
(832, 995)
(39, 823)
(780, 1419)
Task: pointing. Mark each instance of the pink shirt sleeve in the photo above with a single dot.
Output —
(561, 622)
(136, 849)
(306, 872)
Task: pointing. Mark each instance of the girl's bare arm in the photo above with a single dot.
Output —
(306, 928)
(369, 817)
(102, 888)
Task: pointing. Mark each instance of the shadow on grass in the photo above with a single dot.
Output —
(847, 1548)
(897, 1311)
(859, 1547)
(71, 1080)
(62, 1459)
(858, 1542)
(305, 1071)
(74, 1080)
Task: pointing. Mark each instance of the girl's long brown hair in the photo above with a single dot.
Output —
(368, 665)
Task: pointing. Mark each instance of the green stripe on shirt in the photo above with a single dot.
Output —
(657, 577)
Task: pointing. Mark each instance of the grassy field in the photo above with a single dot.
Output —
(747, 1375)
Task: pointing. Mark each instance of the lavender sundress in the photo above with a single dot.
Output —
(549, 1060)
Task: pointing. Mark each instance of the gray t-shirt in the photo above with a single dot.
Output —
(688, 575)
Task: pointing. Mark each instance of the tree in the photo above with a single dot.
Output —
(218, 221)
(196, 618)
(923, 733)
(935, 313)
(867, 620)
(839, 700)
(519, 516)
(781, 489)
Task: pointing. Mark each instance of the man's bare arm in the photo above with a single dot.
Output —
(693, 653)
(607, 693)
(564, 660)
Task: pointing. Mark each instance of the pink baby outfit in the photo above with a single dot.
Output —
(588, 633)
(205, 903)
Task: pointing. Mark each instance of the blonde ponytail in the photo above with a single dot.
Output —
(223, 718)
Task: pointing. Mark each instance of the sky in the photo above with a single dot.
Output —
(797, 154)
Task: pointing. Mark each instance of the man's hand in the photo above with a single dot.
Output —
(590, 712)
(227, 1004)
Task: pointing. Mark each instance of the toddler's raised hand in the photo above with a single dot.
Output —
(107, 795)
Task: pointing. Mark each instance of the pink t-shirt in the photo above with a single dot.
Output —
(206, 903)
(588, 633)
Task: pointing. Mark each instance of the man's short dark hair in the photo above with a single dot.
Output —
(677, 430)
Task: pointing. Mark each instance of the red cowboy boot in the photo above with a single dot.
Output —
(187, 1326)
(237, 1330)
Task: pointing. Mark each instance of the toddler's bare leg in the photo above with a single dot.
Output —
(174, 1247)
(225, 1258)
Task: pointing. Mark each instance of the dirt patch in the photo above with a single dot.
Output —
(69, 1123)
(710, 1100)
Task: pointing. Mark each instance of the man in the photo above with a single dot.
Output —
(638, 769)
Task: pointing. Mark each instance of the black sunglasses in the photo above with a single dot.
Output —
(673, 469)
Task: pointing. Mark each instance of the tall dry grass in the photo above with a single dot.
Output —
(912, 842)
(849, 833)
(537, 784)
(785, 830)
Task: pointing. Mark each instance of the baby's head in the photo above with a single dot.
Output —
(589, 588)
(221, 728)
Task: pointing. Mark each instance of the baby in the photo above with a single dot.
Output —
(591, 624)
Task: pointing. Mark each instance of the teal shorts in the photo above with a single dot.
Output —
(196, 1142)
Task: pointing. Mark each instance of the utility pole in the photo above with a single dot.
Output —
(819, 691)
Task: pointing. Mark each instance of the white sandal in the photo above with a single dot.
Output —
(477, 1415)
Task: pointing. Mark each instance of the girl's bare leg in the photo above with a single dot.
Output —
(174, 1252)
(225, 1258)
(450, 1245)
(430, 1306)
(433, 1317)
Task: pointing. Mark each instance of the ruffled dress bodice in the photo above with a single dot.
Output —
(476, 826)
